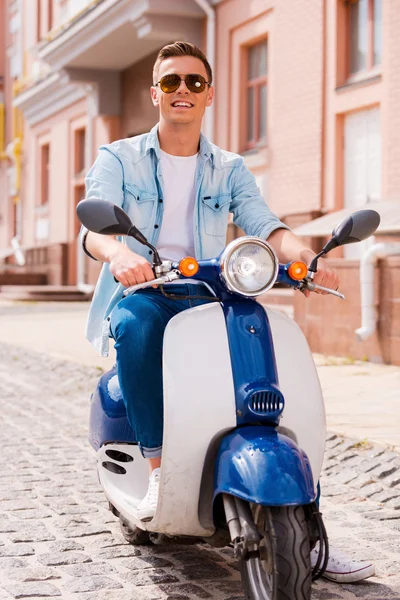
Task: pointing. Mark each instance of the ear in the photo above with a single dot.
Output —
(210, 96)
(154, 96)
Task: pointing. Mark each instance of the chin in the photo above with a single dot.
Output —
(181, 120)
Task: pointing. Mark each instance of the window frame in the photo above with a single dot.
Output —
(45, 170)
(80, 151)
(370, 66)
(256, 84)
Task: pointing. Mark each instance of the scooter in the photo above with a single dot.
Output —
(242, 397)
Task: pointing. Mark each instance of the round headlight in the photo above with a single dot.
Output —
(249, 266)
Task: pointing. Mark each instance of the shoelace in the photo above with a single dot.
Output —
(152, 492)
(340, 559)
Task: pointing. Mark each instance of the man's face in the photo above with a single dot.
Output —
(195, 104)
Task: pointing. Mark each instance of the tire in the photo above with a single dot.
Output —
(136, 536)
(281, 570)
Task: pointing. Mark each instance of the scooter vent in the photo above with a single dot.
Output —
(266, 402)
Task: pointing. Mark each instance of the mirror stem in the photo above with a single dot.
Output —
(314, 263)
(157, 262)
(138, 235)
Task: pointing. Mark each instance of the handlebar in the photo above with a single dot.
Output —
(173, 274)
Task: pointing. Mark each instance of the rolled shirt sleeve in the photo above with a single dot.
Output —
(104, 181)
(250, 211)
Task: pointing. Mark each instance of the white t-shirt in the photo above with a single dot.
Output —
(176, 239)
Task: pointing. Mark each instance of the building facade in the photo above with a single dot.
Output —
(306, 90)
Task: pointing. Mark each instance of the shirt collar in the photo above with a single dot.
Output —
(153, 143)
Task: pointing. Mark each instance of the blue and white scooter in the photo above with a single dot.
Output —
(242, 397)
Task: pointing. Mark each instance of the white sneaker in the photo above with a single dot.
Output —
(147, 507)
(342, 568)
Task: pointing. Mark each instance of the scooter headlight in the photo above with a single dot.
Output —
(249, 266)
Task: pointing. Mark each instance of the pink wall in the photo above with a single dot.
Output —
(294, 151)
(391, 99)
(138, 113)
(56, 132)
(2, 33)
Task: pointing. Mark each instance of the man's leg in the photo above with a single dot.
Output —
(137, 325)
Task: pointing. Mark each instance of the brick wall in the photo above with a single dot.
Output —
(329, 323)
(391, 101)
(295, 86)
(296, 112)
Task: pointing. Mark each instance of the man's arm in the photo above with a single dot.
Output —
(290, 247)
(252, 214)
(104, 181)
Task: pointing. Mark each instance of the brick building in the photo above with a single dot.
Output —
(308, 91)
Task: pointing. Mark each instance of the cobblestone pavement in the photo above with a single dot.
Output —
(58, 539)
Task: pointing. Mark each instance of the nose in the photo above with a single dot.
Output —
(182, 89)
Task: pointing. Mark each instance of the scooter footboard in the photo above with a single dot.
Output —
(260, 465)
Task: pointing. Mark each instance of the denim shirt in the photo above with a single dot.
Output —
(127, 173)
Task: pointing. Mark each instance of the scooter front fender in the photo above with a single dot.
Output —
(259, 464)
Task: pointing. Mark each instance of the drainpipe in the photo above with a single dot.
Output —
(369, 314)
(210, 51)
(91, 90)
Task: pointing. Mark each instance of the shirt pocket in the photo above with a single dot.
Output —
(215, 214)
(139, 204)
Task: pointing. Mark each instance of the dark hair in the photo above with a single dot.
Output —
(181, 49)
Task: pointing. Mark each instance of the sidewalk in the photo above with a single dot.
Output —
(362, 399)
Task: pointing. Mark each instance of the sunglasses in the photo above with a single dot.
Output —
(194, 83)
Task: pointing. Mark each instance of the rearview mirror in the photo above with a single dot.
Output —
(103, 217)
(355, 228)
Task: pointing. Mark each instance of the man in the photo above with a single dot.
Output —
(178, 189)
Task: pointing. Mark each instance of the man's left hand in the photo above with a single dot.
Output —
(325, 276)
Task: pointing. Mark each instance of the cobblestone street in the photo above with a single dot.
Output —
(58, 539)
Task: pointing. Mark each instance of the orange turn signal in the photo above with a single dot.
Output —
(297, 270)
(188, 266)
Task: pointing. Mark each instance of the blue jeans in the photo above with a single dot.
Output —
(137, 326)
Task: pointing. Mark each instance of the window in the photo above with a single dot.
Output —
(80, 143)
(256, 91)
(45, 173)
(44, 19)
(49, 15)
(365, 34)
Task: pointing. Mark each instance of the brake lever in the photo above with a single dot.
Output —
(309, 285)
(171, 276)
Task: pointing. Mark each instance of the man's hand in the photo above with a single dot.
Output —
(325, 275)
(130, 268)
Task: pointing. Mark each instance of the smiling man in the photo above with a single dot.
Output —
(178, 189)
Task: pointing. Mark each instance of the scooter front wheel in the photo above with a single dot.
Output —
(281, 569)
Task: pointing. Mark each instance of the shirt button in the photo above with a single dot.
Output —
(155, 226)
(160, 200)
(150, 251)
(217, 206)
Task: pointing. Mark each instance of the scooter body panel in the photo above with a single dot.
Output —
(199, 403)
(108, 420)
(304, 416)
(259, 464)
(200, 407)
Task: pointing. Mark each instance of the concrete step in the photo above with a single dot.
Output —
(48, 293)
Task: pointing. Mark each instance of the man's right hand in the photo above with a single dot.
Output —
(130, 268)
